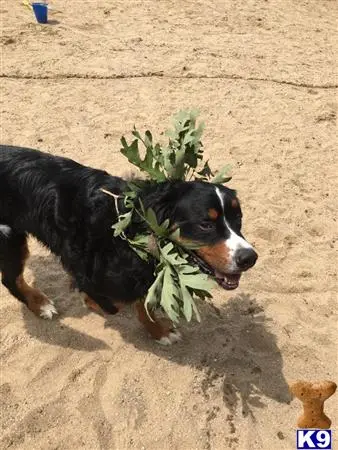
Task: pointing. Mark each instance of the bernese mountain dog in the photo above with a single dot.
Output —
(61, 203)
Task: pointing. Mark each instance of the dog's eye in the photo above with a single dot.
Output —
(206, 226)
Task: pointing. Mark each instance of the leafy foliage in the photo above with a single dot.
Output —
(177, 281)
(180, 158)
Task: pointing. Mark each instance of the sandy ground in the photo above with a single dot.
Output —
(264, 77)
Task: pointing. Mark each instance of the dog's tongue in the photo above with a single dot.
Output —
(227, 281)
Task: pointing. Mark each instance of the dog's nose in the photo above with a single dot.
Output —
(246, 258)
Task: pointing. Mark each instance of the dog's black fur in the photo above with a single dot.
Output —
(60, 202)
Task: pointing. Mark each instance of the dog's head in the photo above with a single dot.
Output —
(209, 215)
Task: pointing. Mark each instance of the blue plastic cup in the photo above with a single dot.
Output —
(41, 12)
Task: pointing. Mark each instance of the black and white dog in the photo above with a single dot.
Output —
(60, 202)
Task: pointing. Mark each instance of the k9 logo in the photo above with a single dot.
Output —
(314, 439)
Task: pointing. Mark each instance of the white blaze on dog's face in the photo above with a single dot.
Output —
(241, 253)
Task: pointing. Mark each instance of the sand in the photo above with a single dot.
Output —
(263, 75)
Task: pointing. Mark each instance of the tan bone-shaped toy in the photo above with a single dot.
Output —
(313, 395)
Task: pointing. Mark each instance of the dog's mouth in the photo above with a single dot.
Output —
(228, 281)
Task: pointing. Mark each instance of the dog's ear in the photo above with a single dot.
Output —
(164, 197)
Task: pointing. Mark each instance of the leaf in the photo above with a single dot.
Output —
(168, 301)
(136, 134)
(175, 235)
(167, 248)
(131, 151)
(198, 281)
(148, 164)
(189, 138)
(184, 145)
(122, 224)
(187, 302)
(202, 294)
(140, 240)
(221, 177)
(206, 171)
(148, 139)
(190, 245)
(165, 224)
(199, 131)
(151, 219)
(159, 230)
(188, 269)
(197, 314)
(171, 256)
(129, 198)
(140, 245)
(142, 208)
(154, 293)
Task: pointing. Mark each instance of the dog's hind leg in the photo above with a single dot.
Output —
(13, 255)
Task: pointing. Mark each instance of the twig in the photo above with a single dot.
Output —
(116, 197)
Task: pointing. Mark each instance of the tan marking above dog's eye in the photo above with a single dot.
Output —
(213, 214)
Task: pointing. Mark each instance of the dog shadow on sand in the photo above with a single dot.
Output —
(234, 345)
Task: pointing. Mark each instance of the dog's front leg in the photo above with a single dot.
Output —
(160, 329)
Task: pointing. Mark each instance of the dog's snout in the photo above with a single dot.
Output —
(246, 258)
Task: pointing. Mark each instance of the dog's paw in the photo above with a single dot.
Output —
(173, 337)
(48, 310)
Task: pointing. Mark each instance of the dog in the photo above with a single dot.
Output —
(61, 203)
